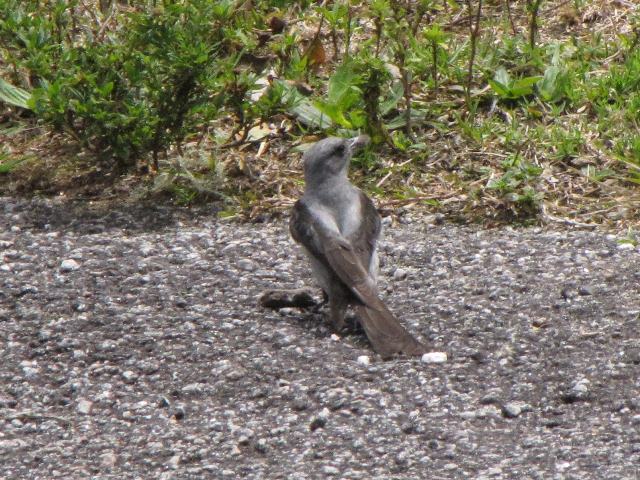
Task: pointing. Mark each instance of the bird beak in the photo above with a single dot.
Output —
(358, 143)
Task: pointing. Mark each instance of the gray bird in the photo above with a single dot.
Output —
(338, 227)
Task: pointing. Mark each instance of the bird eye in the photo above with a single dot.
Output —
(339, 150)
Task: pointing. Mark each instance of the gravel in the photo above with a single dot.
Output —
(133, 346)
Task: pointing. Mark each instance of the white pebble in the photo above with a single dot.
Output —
(129, 375)
(434, 357)
(174, 461)
(330, 470)
(363, 360)
(399, 274)
(84, 406)
(146, 249)
(69, 265)
(108, 459)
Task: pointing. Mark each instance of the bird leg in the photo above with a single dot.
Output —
(337, 310)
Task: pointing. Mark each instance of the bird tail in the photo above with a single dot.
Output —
(386, 334)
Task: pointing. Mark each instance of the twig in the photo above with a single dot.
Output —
(488, 154)
(240, 141)
(104, 25)
(566, 221)
(474, 28)
(417, 198)
(384, 179)
(513, 26)
(90, 12)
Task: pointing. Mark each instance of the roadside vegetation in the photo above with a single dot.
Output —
(493, 111)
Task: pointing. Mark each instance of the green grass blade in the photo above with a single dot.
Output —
(14, 95)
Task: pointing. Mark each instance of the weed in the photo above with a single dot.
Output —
(508, 88)
(436, 38)
(557, 84)
(516, 186)
(566, 142)
(344, 103)
(632, 238)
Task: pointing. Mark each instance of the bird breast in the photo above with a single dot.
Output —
(350, 218)
(345, 207)
(339, 209)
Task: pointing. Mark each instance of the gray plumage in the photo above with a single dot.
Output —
(338, 227)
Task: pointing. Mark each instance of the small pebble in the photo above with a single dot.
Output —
(399, 274)
(585, 291)
(174, 461)
(579, 392)
(511, 410)
(84, 406)
(108, 459)
(329, 470)
(434, 357)
(193, 388)
(320, 420)
(261, 446)
(363, 360)
(129, 376)
(69, 265)
(246, 265)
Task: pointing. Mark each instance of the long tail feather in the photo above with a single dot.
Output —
(386, 334)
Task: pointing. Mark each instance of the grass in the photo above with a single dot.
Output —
(544, 134)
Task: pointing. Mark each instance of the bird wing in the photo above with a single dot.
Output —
(335, 252)
(365, 238)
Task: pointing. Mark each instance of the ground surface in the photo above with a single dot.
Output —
(132, 347)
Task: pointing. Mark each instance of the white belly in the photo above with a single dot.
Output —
(350, 218)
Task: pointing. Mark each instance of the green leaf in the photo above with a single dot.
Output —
(502, 77)
(335, 113)
(400, 121)
(310, 116)
(358, 119)
(14, 95)
(397, 90)
(340, 83)
(548, 87)
(526, 82)
(518, 91)
(106, 89)
(501, 89)
(435, 34)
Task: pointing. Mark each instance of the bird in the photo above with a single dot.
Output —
(338, 227)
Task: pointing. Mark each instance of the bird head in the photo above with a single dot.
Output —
(329, 158)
